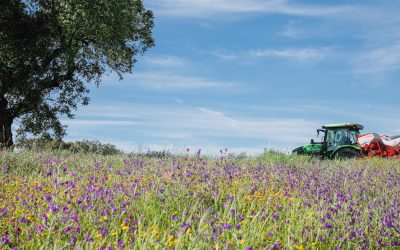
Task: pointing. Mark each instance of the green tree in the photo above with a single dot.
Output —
(50, 50)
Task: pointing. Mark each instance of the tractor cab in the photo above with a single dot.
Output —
(336, 141)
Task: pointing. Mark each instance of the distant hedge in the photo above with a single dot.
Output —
(84, 146)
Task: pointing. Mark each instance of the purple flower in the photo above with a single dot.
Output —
(238, 226)
(24, 220)
(185, 226)
(73, 240)
(87, 237)
(45, 217)
(5, 240)
(328, 215)
(53, 208)
(120, 244)
(226, 225)
(74, 218)
(276, 245)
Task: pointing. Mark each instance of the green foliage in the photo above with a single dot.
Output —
(82, 147)
(276, 157)
(51, 49)
(153, 154)
(239, 156)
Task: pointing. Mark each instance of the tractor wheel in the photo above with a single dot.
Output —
(346, 153)
(299, 151)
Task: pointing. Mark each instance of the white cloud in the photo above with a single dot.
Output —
(165, 61)
(296, 54)
(178, 100)
(205, 8)
(170, 81)
(292, 30)
(323, 29)
(198, 123)
(165, 81)
(99, 123)
(225, 55)
(378, 60)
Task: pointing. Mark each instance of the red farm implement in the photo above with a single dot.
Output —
(343, 140)
(372, 145)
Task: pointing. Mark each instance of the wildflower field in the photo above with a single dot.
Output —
(273, 201)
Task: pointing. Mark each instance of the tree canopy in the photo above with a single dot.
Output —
(50, 51)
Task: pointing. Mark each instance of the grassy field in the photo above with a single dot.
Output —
(64, 201)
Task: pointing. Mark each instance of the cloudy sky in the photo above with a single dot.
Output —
(252, 74)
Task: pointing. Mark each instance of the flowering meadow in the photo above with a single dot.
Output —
(273, 201)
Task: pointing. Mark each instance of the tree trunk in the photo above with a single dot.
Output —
(6, 139)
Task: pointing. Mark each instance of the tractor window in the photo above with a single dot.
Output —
(353, 136)
(337, 137)
(342, 137)
(330, 137)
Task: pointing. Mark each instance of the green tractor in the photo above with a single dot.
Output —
(339, 141)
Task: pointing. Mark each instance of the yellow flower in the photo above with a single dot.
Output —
(171, 242)
(153, 229)
(241, 242)
(113, 233)
(247, 198)
(97, 235)
(258, 194)
(124, 227)
(300, 247)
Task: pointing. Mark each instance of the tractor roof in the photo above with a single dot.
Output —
(344, 125)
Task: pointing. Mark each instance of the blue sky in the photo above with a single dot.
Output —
(251, 74)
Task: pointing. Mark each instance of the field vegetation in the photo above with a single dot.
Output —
(63, 200)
